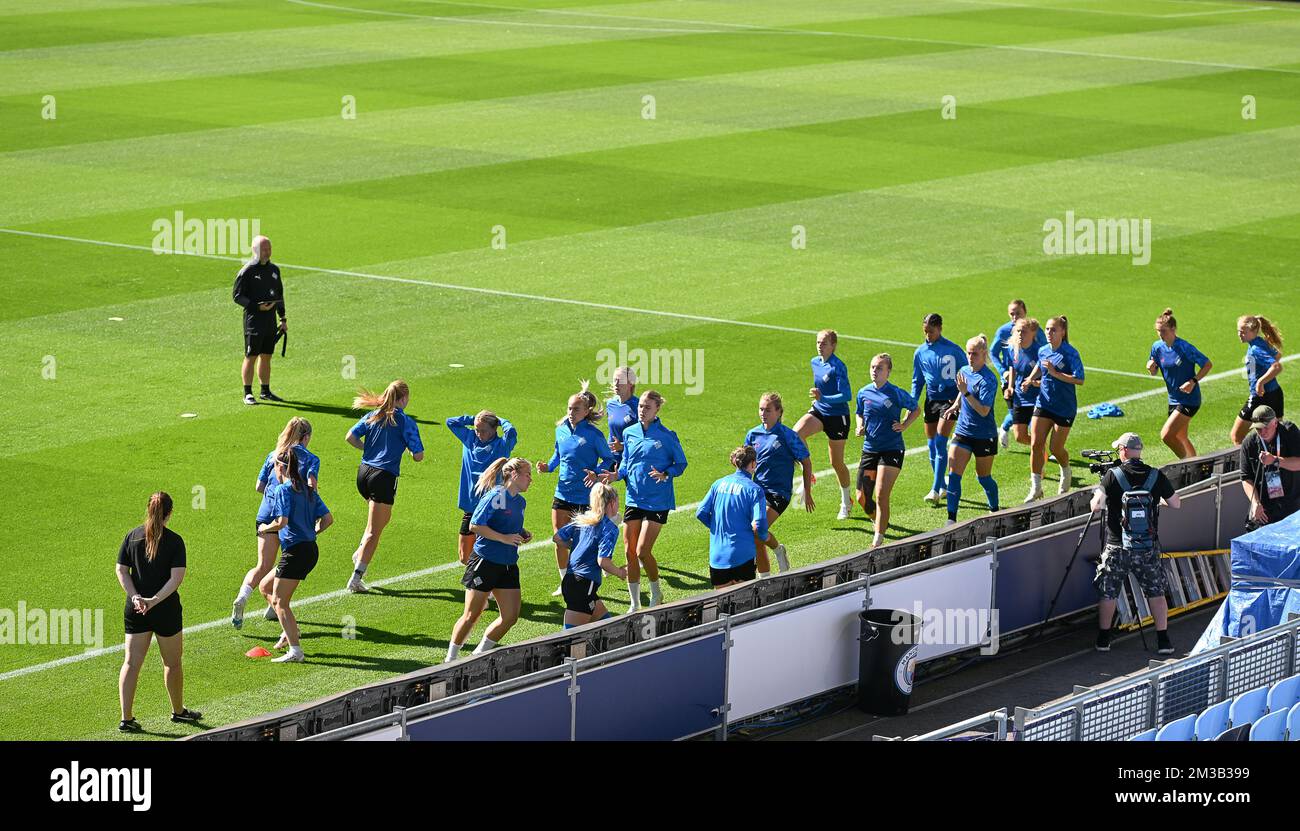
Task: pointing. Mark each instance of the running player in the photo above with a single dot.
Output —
(880, 407)
(1263, 365)
(581, 457)
(934, 368)
(621, 410)
(831, 394)
(482, 445)
(735, 510)
(493, 570)
(1177, 360)
(1004, 341)
(150, 568)
(977, 430)
(1059, 370)
(298, 516)
(777, 448)
(382, 436)
(590, 540)
(296, 435)
(652, 458)
(1021, 360)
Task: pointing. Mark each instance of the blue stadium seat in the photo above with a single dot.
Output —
(1182, 730)
(1213, 721)
(1270, 728)
(1144, 736)
(1249, 706)
(1284, 694)
(1293, 723)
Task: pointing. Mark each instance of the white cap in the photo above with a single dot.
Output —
(1132, 441)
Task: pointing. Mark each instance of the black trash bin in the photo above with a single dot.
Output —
(886, 660)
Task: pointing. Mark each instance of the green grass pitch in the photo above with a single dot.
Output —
(768, 114)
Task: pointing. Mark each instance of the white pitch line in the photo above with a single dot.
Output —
(536, 544)
(765, 30)
(513, 294)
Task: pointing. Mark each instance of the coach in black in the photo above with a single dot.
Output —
(1270, 468)
(259, 290)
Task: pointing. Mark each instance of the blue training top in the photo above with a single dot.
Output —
(1260, 356)
(588, 544)
(831, 378)
(503, 513)
(983, 385)
(934, 366)
(577, 450)
(620, 416)
(1178, 364)
(645, 449)
(384, 442)
(1023, 362)
(1000, 351)
(308, 465)
(302, 509)
(729, 509)
(879, 408)
(1057, 397)
(477, 456)
(778, 449)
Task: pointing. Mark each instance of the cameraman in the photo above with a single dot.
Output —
(1143, 558)
(1270, 459)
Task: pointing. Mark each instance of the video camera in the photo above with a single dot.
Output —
(1103, 460)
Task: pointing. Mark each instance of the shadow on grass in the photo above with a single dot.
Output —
(328, 409)
(684, 580)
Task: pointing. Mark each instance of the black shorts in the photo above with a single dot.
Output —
(484, 575)
(558, 504)
(835, 426)
(631, 513)
(934, 409)
(376, 484)
(464, 525)
(1185, 409)
(1058, 420)
(1022, 415)
(163, 620)
(777, 502)
(297, 562)
(871, 460)
(742, 572)
(979, 448)
(259, 343)
(1274, 399)
(579, 593)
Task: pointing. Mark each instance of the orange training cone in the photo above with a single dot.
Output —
(258, 652)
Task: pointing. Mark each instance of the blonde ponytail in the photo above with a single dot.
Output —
(503, 468)
(385, 406)
(601, 496)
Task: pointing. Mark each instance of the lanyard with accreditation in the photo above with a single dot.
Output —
(1273, 473)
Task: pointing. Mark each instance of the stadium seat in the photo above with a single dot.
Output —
(1270, 728)
(1249, 706)
(1293, 723)
(1240, 733)
(1144, 736)
(1213, 721)
(1284, 694)
(1182, 730)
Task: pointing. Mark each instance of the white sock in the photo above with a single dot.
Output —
(634, 592)
(764, 574)
(1036, 480)
(245, 592)
(1065, 472)
(563, 572)
(484, 645)
(846, 495)
(655, 594)
(453, 652)
(360, 568)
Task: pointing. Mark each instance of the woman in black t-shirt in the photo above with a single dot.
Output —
(150, 567)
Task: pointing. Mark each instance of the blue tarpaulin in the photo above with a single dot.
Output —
(1265, 583)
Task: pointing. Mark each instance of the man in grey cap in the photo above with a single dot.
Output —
(1132, 493)
(1270, 461)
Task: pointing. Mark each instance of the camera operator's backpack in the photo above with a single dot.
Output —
(1137, 513)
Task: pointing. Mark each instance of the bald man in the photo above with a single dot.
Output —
(259, 290)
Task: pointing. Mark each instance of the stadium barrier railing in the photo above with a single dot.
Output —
(1167, 690)
(1026, 550)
